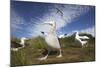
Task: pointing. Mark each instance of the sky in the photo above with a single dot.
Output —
(27, 18)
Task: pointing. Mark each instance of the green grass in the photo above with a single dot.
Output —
(72, 52)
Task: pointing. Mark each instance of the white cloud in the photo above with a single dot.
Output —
(70, 12)
(90, 30)
(16, 22)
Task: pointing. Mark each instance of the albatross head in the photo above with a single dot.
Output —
(76, 32)
(23, 41)
(23, 38)
(52, 26)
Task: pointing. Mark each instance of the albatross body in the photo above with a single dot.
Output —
(81, 39)
(16, 46)
(52, 40)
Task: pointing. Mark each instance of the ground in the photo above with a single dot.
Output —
(71, 53)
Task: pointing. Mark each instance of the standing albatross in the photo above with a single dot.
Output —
(52, 39)
(81, 39)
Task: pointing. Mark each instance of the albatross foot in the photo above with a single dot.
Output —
(42, 58)
(59, 56)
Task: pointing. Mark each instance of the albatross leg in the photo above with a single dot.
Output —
(82, 45)
(60, 54)
(86, 44)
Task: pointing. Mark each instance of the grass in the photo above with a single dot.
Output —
(72, 52)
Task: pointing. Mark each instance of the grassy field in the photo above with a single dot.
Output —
(72, 52)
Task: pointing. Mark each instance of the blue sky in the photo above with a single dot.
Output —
(26, 18)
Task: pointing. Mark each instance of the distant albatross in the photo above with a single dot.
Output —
(81, 39)
(52, 40)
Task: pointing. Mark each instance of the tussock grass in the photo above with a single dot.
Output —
(72, 52)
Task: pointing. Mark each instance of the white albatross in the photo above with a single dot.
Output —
(81, 39)
(16, 46)
(52, 39)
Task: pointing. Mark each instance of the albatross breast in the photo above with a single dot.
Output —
(52, 41)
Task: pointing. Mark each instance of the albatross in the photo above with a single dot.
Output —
(81, 39)
(52, 39)
(16, 46)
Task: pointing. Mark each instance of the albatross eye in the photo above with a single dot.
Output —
(42, 32)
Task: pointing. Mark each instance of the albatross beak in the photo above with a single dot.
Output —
(48, 23)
